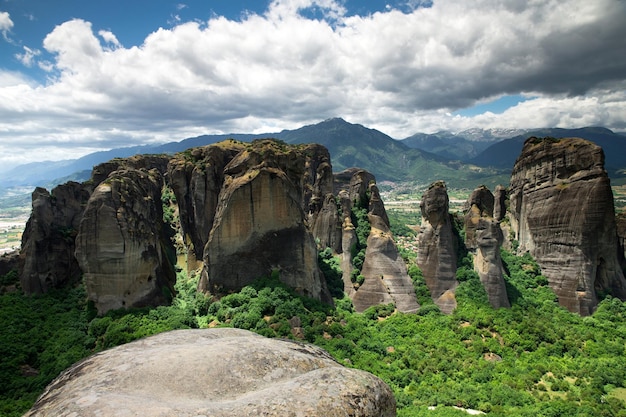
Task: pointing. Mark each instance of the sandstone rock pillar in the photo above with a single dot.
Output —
(436, 255)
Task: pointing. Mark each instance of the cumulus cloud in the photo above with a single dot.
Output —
(6, 24)
(110, 38)
(397, 71)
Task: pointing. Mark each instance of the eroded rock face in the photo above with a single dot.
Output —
(436, 255)
(47, 254)
(217, 372)
(620, 220)
(386, 277)
(121, 246)
(499, 206)
(260, 223)
(484, 238)
(196, 177)
(562, 211)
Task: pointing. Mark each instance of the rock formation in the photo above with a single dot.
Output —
(121, 245)
(499, 203)
(260, 224)
(484, 238)
(47, 254)
(217, 372)
(562, 212)
(246, 210)
(196, 177)
(620, 220)
(385, 276)
(437, 247)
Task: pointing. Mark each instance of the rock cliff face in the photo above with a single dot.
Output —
(484, 238)
(620, 221)
(196, 177)
(260, 223)
(385, 276)
(437, 247)
(47, 255)
(217, 372)
(121, 246)
(246, 210)
(562, 212)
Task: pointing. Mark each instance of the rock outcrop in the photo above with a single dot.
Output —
(437, 247)
(246, 210)
(562, 212)
(121, 246)
(499, 203)
(196, 177)
(620, 221)
(217, 372)
(385, 278)
(260, 225)
(484, 238)
(47, 254)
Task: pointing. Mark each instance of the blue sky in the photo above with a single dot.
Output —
(81, 76)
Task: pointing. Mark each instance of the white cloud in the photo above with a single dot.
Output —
(398, 72)
(6, 24)
(110, 38)
(27, 58)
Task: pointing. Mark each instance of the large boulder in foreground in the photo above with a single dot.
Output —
(216, 372)
(562, 212)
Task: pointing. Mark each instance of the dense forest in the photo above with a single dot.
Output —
(534, 359)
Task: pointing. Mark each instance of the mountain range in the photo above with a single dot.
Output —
(463, 159)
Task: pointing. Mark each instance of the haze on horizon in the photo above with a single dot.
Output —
(81, 77)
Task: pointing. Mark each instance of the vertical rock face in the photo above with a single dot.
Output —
(620, 220)
(562, 212)
(196, 177)
(386, 277)
(260, 223)
(384, 271)
(121, 246)
(47, 255)
(499, 206)
(247, 210)
(436, 254)
(326, 225)
(484, 237)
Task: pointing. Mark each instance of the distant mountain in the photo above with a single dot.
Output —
(504, 154)
(353, 145)
(463, 145)
(41, 173)
(446, 144)
(349, 144)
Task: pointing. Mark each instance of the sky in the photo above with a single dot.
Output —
(80, 76)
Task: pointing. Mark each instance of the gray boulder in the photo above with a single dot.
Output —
(214, 372)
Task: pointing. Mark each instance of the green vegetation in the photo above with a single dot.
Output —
(534, 359)
(362, 228)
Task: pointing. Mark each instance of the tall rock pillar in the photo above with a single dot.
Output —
(436, 255)
(484, 237)
(562, 212)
